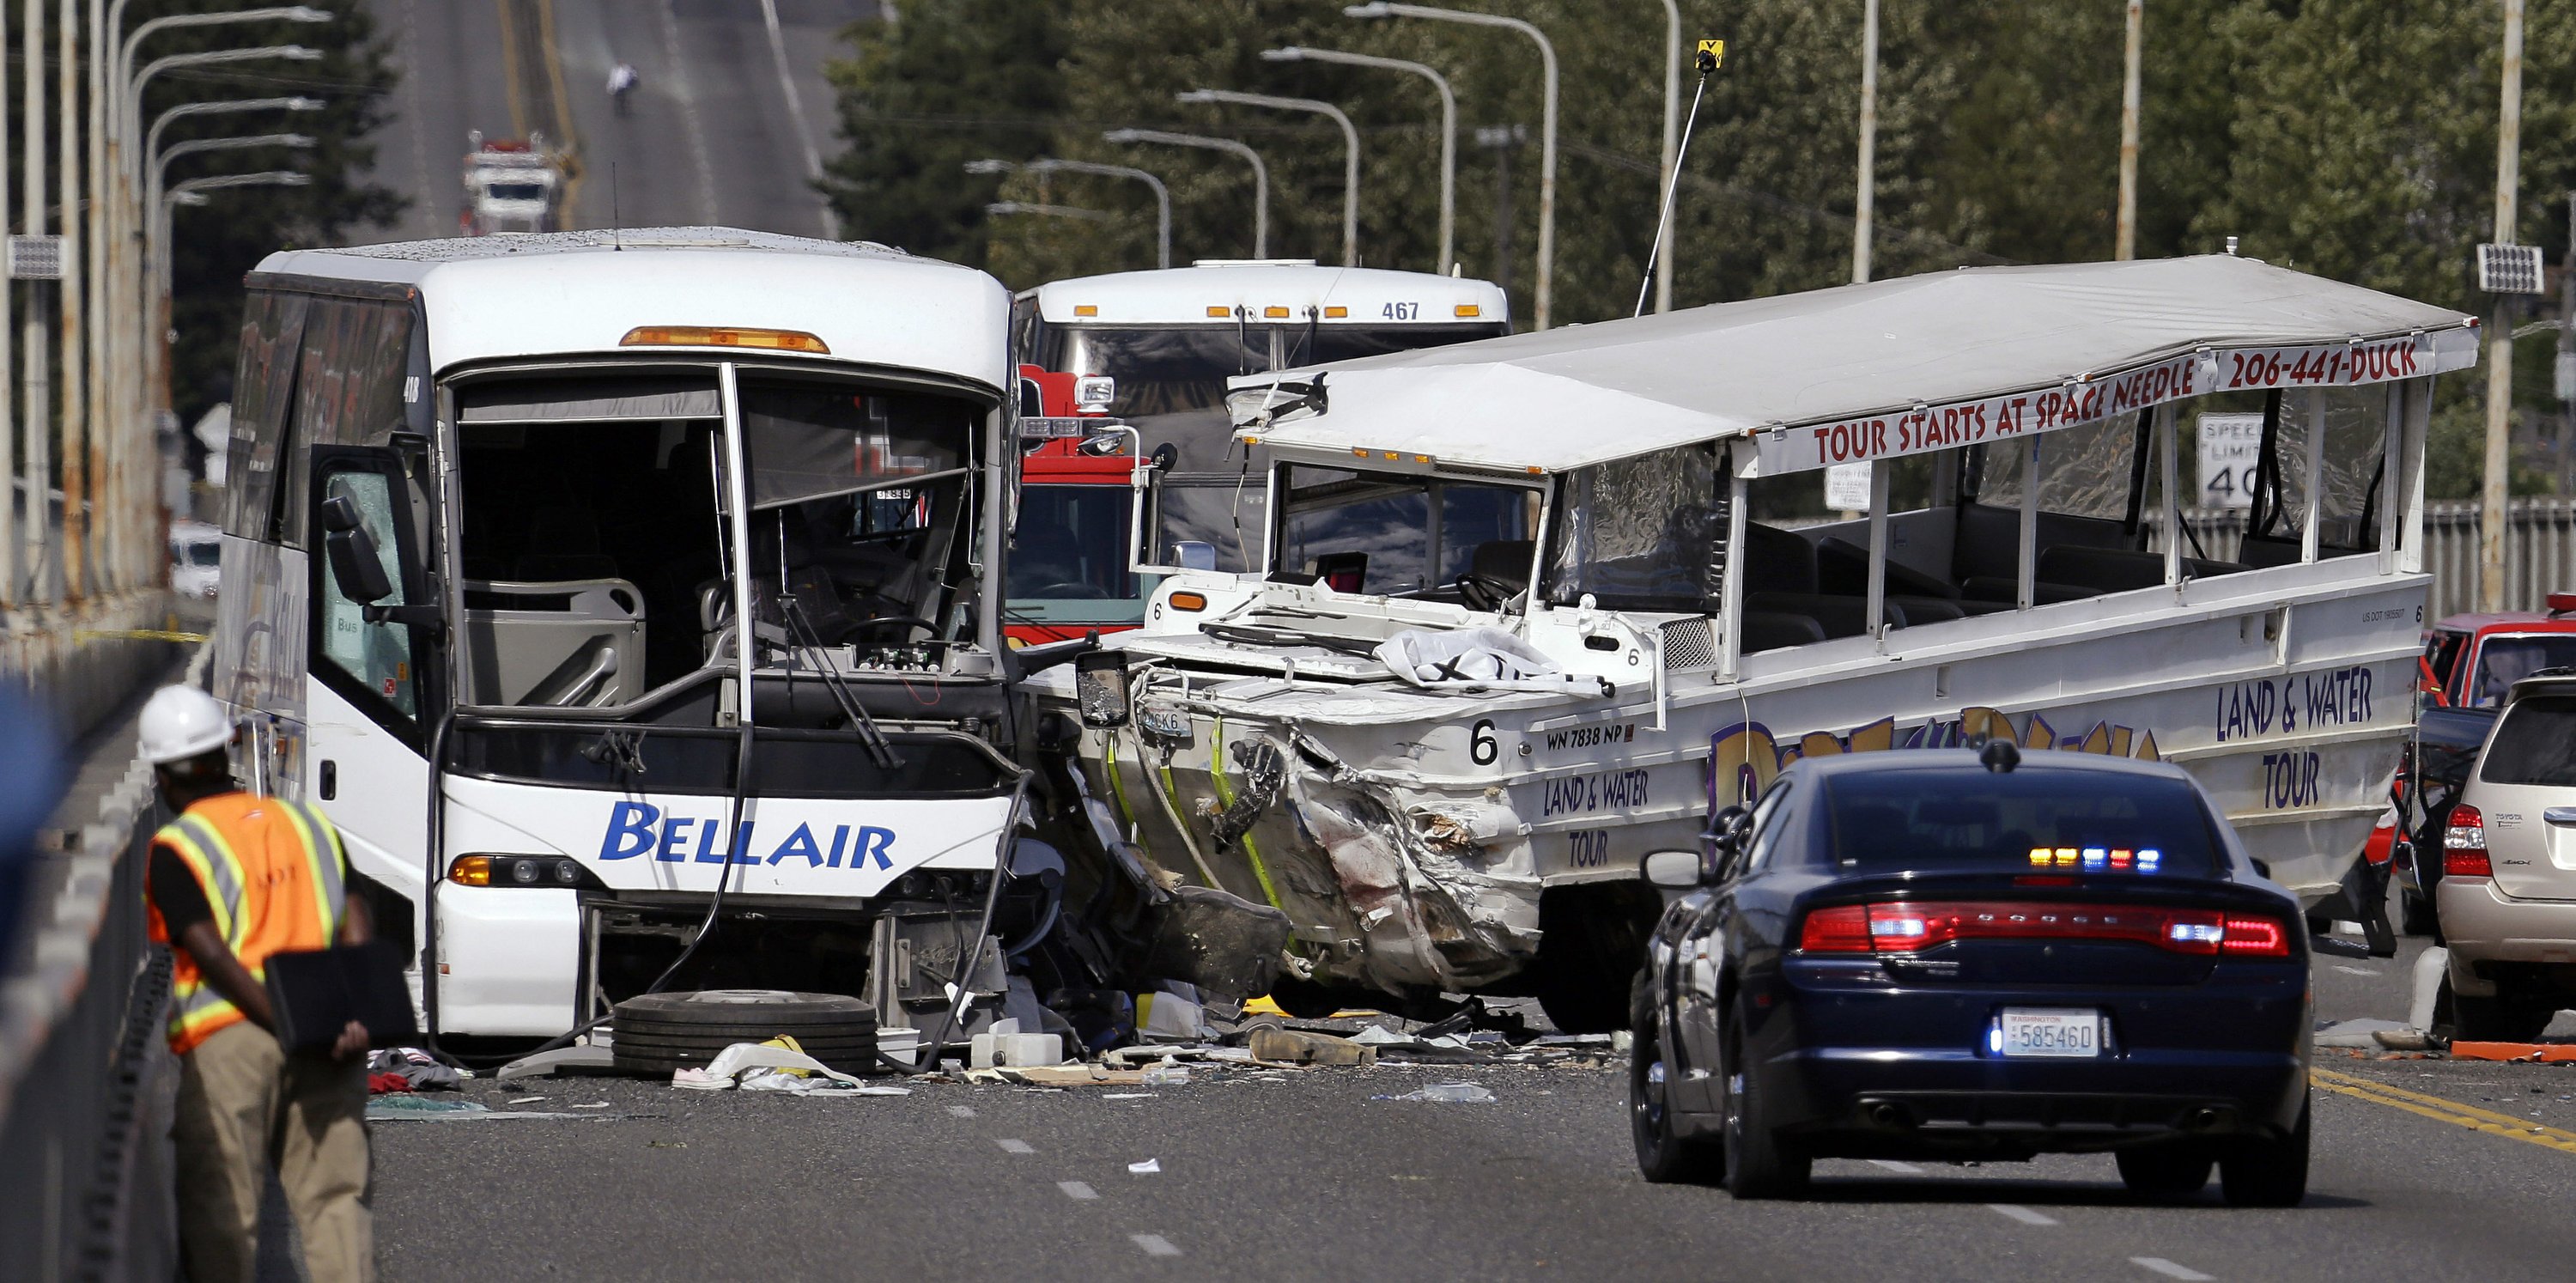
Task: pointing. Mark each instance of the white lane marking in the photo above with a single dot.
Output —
(1077, 1191)
(2160, 1265)
(796, 113)
(961, 1111)
(1901, 1169)
(2022, 1214)
(1154, 1244)
(1015, 1147)
(692, 126)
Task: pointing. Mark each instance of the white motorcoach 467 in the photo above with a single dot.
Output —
(576, 575)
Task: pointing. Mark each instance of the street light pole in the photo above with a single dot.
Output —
(2125, 241)
(36, 375)
(1868, 198)
(1448, 127)
(1053, 165)
(2499, 454)
(1543, 295)
(1672, 145)
(1350, 155)
(126, 342)
(1049, 211)
(1260, 172)
(73, 430)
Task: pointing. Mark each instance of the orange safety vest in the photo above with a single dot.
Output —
(277, 879)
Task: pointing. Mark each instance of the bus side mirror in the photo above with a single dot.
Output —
(356, 568)
(1100, 688)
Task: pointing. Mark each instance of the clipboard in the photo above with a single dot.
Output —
(315, 994)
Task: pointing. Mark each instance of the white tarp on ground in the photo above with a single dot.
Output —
(1873, 371)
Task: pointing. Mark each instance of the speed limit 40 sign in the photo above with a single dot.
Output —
(2229, 446)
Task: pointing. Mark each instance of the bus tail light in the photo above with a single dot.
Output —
(2464, 844)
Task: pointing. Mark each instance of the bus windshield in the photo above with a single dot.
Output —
(594, 541)
(1171, 388)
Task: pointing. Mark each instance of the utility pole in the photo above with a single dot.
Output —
(1672, 146)
(2565, 373)
(2125, 242)
(36, 377)
(1868, 143)
(2499, 454)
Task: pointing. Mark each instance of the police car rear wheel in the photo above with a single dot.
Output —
(1760, 1163)
(2268, 1172)
(2165, 1171)
(1663, 1156)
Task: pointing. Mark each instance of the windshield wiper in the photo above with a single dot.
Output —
(880, 749)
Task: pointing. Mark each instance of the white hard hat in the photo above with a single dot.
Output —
(180, 722)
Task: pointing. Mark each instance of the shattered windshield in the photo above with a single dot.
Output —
(1639, 534)
(1406, 535)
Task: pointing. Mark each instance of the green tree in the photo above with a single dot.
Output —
(931, 86)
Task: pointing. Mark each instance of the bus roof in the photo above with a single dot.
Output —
(1863, 372)
(561, 293)
(1186, 295)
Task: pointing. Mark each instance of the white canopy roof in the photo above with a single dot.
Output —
(1872, 371)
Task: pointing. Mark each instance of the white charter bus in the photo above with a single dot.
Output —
(1170, 339)
(577, 575)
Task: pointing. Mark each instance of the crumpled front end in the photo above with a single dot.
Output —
(1391, 879)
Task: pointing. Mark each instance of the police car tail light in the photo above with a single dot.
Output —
(2464, 844)
(2254, 938)
(1844, 928)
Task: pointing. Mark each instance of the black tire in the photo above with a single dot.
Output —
(657, 1033)
(1663, 1156)
(2267, 1173)
(1759, 1162)
(2165, 1171)
(2415, 915)
(2506, 1017)
(1592, 940)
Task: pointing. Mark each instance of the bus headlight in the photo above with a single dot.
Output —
(481, 870)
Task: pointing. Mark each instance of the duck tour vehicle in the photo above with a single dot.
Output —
(1525, 609)
(630, 601)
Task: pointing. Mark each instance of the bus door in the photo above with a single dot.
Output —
(369, 658)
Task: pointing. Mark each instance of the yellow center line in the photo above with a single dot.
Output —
(2443, 1110)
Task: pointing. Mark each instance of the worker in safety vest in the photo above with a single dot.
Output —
(235, 879)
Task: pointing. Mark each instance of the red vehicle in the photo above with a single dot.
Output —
(2469, 662)
(1081, 490)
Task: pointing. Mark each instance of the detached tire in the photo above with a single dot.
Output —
(2268, 1173)
(658, 1033)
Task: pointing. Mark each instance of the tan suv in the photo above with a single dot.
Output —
(2507, 898)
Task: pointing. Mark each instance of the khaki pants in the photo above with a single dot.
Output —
(244, 1107)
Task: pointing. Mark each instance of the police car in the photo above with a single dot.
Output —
(1973, 955)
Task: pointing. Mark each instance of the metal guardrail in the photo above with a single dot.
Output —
(84, 1193)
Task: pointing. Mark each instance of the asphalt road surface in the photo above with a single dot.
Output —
(727, 122)
(2424, 1169)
